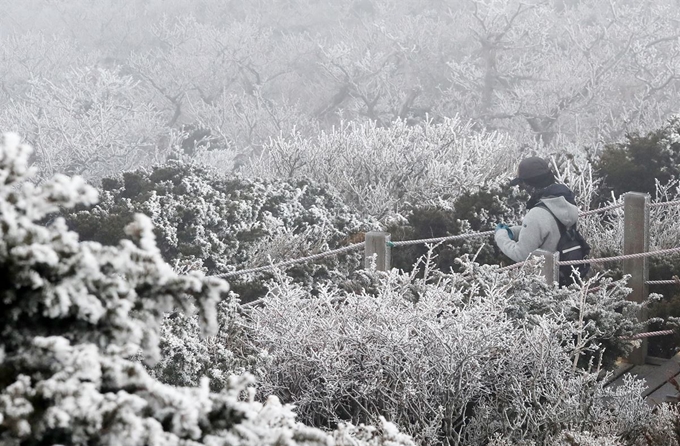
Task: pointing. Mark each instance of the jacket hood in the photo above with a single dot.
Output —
(564, 211)
(560, 200)
(559, 190)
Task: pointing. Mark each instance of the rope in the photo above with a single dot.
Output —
(291, 262)
(674, 281)
(485, 233)
(620, 205)
(468, 236)
(664, 203)
(511, 267)
(440, 239)
(482, 234)
(600, 210)
(252, 303)
(623, 257)
(649, 334)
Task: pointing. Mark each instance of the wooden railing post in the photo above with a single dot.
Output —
(376, 244)
(550, 270)
(636, 240)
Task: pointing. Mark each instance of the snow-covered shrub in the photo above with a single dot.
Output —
(217, 224)
(605, 231)
(79, 395)
(213, 223)
(187, 355)
(57, 286)
(73, 313)
(453, 358)
(641, 162)
(478, 211)
(380, 170)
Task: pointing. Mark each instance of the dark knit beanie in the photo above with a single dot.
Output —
(541, 181)
(535, 172)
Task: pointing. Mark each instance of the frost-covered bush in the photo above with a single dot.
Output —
(641, 162)
(647, 164)
(57, 286)
(481, 208)
(187, 355)
(604, 232)
(478, 211)
(73, 313)
(455, 359)
(212, 223)
(380, 170)
(217, 224)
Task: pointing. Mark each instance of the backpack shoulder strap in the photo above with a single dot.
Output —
(560, 225)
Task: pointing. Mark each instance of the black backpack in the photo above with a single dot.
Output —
(571, 246)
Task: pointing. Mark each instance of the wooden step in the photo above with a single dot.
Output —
(657, 373)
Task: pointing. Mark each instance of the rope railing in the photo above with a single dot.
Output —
(485, 233)
(620, 205)
(511, 267)
(648, 282)
(292, 261)
(464, 237)
(381, 246)
(649, 334)
(613, 259)
(600, 210)
(663, 282)
(621, 257)
(664, 203)
(440, 239)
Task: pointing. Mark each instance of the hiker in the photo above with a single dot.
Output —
(549, 202)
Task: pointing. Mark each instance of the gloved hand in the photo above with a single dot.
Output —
(501, 226)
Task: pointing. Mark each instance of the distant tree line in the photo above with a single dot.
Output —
(213, 76)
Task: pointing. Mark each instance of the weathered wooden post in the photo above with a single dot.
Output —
(636, 240)
(550, 270)
(376, 244)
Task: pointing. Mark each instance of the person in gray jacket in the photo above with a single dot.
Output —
(539, 227)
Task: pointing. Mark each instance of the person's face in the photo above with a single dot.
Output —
(527, 188)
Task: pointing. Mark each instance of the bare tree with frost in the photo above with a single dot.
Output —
(571, 70)
(93, 123)
(30, 55)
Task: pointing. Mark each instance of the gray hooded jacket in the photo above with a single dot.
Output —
(539, 229)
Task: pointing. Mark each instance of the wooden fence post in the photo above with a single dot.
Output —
(550, 270)
(636, 240)
(376, 243)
